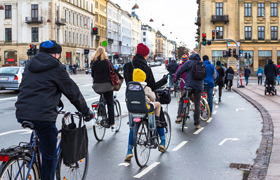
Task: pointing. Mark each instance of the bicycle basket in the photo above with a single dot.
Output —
(164, 96)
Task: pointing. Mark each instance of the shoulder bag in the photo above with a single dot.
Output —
(116, 82)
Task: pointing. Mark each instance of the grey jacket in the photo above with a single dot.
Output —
(188, 67)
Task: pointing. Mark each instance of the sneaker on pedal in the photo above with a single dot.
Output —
(113, 128)
(197, 126)
(161, 146)
(178, 120)
(129, 155)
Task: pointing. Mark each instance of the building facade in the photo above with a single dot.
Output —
(126, 37)
(135, 32)
(32, 22)
(252, 23)
(100, 21)
(171, 46)
(148, 37)
(159, 54)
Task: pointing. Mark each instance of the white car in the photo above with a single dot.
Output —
(158, 63)
(152, 64)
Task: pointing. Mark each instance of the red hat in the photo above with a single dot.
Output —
(142, 49)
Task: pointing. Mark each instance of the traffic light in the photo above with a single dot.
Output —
(217, 33)
(249, 56)
(245, 56)
(229, 52)
(234, 53)
(95, 30)
(204, 39)
(224, 54)
(213, 34)
(209, 43)
(32, 50)
(116, 56)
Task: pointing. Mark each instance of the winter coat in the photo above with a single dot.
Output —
(211, 74)
(188, 67)
(150, 95)
(270, 71)
(260, 70)
(183, 76)
(172, 67)
(140, 62)
(221, 72)
(228, 71)
(44, 80)
(247, 72)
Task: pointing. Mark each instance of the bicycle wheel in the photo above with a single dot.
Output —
(75, 171)
(17, 168)
(98, 129)
(185, 115)
(118, 115)
(167, 130)
(141, 151)
(204, 110)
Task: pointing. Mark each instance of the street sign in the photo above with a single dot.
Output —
(86, 51)
(232, 44)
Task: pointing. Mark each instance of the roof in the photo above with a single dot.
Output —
(133, 14)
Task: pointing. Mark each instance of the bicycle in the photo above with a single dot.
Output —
(24, 161)
(141, 120)
(100, 120)
(204, 107)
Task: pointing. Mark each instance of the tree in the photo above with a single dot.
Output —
(182, 49)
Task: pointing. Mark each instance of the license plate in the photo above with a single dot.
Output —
(4, 79)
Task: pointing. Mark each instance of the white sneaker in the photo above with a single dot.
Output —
(113, 128)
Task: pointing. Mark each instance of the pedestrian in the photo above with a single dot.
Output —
(44, 80)
(102, 83)
(172, 68)
(71, 68)
(260, 75)
(185, 57)
(220, 80)
(247, 73)
(211, 75)
(278, 72)
(270, 71)
(140, 61)
(229, 77)
(196, 85)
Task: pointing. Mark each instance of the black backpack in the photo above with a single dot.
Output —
(199, 71)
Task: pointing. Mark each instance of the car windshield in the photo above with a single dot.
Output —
(8, 70)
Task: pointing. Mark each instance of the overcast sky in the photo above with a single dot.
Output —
(178, 17)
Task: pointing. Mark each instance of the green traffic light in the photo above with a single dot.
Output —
(204, 43)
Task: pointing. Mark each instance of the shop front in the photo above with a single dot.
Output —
(78, 60)
(264, 56)
(86, 58)
(10, 58)
(218, 56)
(247, 62)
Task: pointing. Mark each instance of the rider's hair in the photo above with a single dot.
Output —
(100, 51)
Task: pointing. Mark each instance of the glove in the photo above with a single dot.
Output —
(165, 77)
(88, 116)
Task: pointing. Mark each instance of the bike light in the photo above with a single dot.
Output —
(186, 101)
(182, 115)
(204, 96)
(136, 119)
(16, 78)
(4, 158)
(204, 93)
(94, 105)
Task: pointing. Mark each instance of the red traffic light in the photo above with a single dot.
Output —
(116, 53)
(204, 35)
(94, 28)
(31, 46)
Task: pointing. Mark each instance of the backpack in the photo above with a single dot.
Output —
(199, 71)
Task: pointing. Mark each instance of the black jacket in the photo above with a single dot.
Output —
(172, 67)
(220, 80)
(140, 62)
(247, 72)
(44, 80)
(270, 71)
(230, 71)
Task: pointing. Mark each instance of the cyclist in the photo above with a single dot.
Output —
(139, 61)
(102, 82)
(172, 68)
(228, 78)
(211, 75)
(220, 80)
(44, 80)
(196, 85)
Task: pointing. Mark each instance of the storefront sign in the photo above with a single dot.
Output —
(10, 60)
(86, 51)
(232, 44)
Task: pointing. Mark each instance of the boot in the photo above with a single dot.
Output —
(161, 146)
(129, 155)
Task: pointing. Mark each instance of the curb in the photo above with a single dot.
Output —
(261, 163)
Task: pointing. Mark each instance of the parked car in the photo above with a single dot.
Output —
(10, 77)
(158, 63)
(149, 64)
(152, 64)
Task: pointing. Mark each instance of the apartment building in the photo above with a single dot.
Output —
(100, 21)
(160, 46)
(148, 37)
(135, 32)
(126, 37)
(171, 46)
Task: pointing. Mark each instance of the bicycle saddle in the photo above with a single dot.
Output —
(28, 124)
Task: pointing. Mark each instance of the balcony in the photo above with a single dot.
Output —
(34, 20)
(110, 41)
(198, 21)
(219, 18)
(97, 38)
(60, 21)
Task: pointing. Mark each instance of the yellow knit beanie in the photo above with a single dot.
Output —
(138, 75)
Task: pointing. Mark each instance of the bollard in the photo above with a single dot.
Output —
(240, 79)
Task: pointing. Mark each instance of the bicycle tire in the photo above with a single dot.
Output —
(98, 129)
(167, 130)
(118, 115)
(142, 135)
(71, 169)
(185, 115)
(13, 163)
(204, 108)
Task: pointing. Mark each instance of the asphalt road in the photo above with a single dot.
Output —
(203, 155)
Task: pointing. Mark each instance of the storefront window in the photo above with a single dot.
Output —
(77, 62)
(247, 62)
(278, 57)
(10, 58)
(68, 59)
(218, 56)
(264, 56)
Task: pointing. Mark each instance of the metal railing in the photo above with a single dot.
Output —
(34, 19)
(60, 21)
(220, 18)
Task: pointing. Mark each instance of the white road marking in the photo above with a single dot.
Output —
(186, 127)
(124, 164)
(179, 146)
(233, 139)
(15, 131)
(217, 106)
(240, 109)
(199, 130)
(145, 171)
(7, 98)
(214, 112)
(27, 132)
(92, 98)
(209, 120)
(230, 97)
(85, 85)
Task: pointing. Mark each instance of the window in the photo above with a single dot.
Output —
(57, 35)
(274, 9)
(73, 38)
(8, 11)
(65, 15)
(96, 4)
(73, 19)
(77, 39)
(248, 32)
(144, 33)
(219, 9)
(80, 39)
(34, 34)
(34, 10)
(261, 33)
(144, 40)
(220, 29)
(65, 36)
(8, 34)
(260, 9)
(69, 17)
(274, 32)
(80, 21)
(69, 37)
(77, 20)
(248, 10)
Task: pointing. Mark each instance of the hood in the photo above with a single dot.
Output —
(270, 62)
(206, 62)
(42, 62)
(218, 67)
(138, 57)
(260, 68)
(195, 57)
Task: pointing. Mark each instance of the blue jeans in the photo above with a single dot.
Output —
(209, 91)
(171, 80)
(278, 77)
(246, 79)
(47, 133)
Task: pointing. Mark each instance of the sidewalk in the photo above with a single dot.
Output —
(267, 162)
